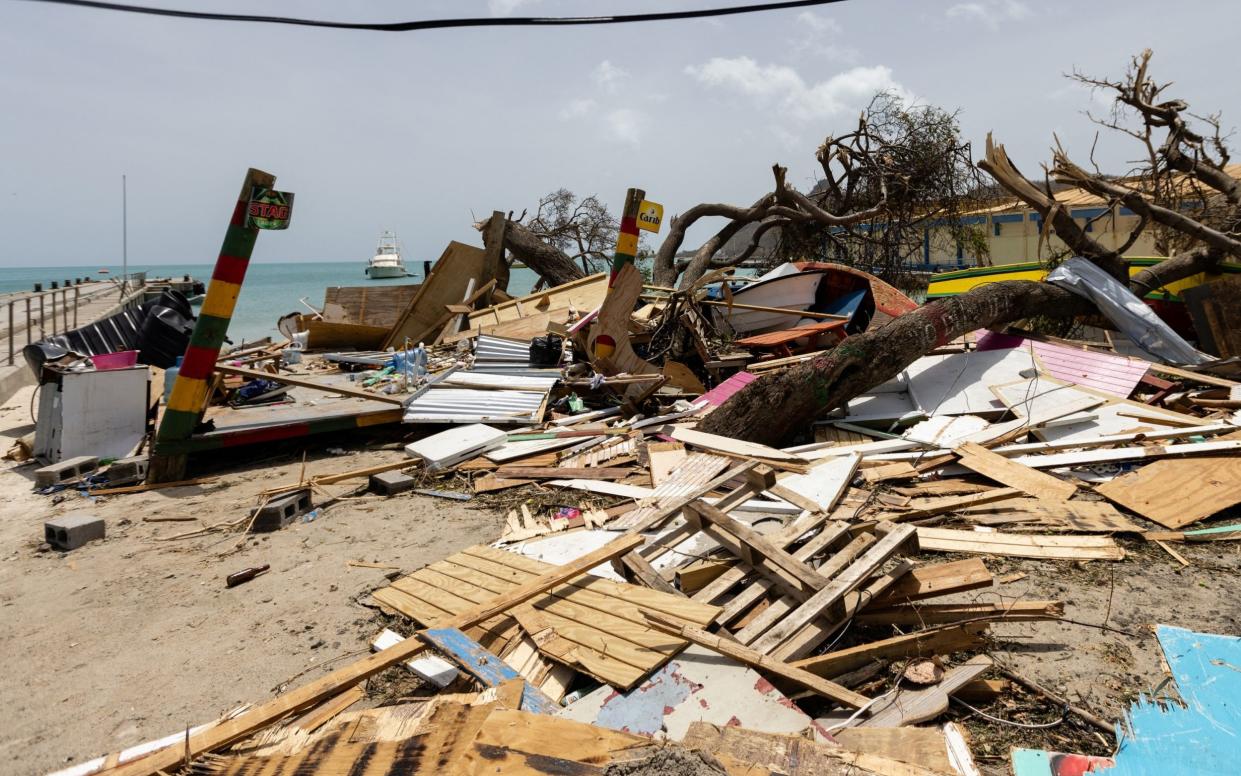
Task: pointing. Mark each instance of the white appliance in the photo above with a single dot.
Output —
(101, 413)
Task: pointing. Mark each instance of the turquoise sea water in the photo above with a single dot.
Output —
(270, 290)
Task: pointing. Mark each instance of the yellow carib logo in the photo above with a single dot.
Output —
(650, 215)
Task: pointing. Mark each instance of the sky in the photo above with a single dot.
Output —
(423, 132)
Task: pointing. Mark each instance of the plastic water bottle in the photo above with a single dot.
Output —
(170, 378)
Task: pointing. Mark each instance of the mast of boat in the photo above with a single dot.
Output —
(124, 237)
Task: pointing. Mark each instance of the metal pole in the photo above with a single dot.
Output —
(28, 324)
(42, 318)
(77, 294)
(64, 307)
(10, 332)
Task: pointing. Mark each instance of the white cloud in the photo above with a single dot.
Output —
(821, 36)
(626, 125)
(507, 7)
(782, 88)
(990, 12)
(608, 76)
(577, 108)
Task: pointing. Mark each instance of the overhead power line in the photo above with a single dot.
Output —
(439, 24)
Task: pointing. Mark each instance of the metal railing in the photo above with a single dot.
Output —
(39, 312)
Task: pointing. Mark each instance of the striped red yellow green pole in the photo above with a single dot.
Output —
(627, 237)
(189, 392)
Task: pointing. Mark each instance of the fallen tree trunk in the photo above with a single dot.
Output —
(552, 265)
(774, 408)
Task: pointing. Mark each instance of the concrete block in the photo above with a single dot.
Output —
(279, 512)
(392, 483)
(66, 470)
(127, 471)
(69, 532)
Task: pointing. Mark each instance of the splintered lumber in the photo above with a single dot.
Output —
(937, 579)
(736, 448)
(1020, 545)
(1175, 493)
(759, 661)
(933, 641)
(341, 390)
(952, 504)
(792, 755)
(922, 746)
(795, 577)
(343, 678)
(941, 614)
(553, 472)
(907, 707)
(996, 467)
(829, 601)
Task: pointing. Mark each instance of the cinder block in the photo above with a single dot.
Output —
(127, 471)
(279, 512)
(66, 470)
(69, 532)
(392, 483)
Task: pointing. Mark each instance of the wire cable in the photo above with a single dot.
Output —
(439, 24)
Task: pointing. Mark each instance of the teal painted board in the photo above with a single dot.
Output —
(486, 667)
(1203, 736)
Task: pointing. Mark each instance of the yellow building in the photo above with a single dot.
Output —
(1012, 230)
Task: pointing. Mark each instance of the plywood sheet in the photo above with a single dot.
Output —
(375, 305)
(1176, 492)
(427, 312)
(957, 384)
(1020, 545)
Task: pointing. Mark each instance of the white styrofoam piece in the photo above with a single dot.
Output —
(456, 444)
(825, 483)
(430, 668)
(698, 685)
(958, 384)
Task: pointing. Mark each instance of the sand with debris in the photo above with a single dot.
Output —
(135, 637)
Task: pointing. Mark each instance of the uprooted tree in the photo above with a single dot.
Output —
(901, 168)
(1181, 188)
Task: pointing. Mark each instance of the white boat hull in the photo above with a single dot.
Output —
(376, 273)
(790, 292)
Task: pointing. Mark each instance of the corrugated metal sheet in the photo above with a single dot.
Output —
(489, 348)
(464, 405)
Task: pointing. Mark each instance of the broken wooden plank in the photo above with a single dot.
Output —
(736, 448)
(759, 661)
(557, 472)
(342, 678)
(943, 614)
(823, 484)
(829, 600)
(934, 641)
(952, 504)
(340, 390)
(486, 667)
(1008, 472)
(937, 579)
(908, 707)
(1020, 545)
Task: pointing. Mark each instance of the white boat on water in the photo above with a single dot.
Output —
(387, 262)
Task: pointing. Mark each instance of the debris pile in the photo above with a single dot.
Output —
(663, 597)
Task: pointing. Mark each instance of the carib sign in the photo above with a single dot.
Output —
(269, 209)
